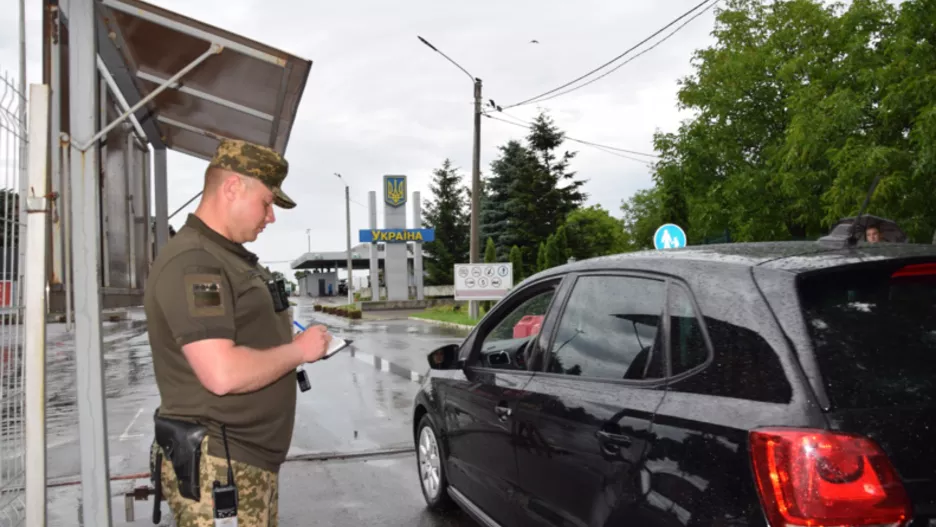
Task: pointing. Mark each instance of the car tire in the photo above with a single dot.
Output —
(430, 467)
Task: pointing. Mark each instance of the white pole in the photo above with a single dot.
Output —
(37, 206)
(85, 210)
(347, 197)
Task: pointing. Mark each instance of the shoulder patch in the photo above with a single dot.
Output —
(205, 295)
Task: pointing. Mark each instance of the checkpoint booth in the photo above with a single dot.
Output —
(129, 82)
(321, 271)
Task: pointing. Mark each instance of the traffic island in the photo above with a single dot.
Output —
(455, 315)
(404, 305)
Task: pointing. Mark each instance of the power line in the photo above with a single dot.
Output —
(612, 61)
(604, 148)
(519, 122)
(619, 66)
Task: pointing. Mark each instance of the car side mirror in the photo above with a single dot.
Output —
(445, 358)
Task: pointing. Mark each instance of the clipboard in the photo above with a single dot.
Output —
(337, 344)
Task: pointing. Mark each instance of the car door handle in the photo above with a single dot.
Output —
(619, 440)
(502, 411)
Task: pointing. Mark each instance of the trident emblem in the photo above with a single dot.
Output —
(395, 190)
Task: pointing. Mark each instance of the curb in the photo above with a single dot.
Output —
(441, 323)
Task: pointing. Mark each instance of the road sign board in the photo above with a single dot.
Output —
(483, 281)
(669, 236)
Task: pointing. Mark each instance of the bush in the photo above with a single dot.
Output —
(318, 307)
(356, 314)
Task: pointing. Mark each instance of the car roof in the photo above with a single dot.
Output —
(792, 257)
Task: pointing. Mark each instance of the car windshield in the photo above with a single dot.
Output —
(874, 333)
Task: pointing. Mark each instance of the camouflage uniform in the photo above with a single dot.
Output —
(204, 286)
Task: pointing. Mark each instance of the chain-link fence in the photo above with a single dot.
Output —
(13, 135)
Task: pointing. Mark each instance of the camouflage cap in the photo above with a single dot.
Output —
(255, 161)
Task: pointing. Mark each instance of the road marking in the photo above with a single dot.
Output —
(126, 433)
(385, 366)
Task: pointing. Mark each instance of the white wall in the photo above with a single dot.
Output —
(309, 285)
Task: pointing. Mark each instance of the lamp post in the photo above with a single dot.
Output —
(475, 168)
(347, 197)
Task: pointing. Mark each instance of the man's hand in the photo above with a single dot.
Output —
(313, 342)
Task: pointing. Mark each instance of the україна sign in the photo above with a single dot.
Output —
(396, 235)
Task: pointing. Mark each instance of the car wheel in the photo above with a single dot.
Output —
(432, 478)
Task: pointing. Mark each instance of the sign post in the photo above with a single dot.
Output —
(483, 281)
(669, 236)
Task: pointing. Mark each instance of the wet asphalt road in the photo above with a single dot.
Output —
(360, 402)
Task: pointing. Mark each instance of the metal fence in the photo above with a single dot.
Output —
(13, 139)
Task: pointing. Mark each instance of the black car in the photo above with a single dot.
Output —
(735, 385)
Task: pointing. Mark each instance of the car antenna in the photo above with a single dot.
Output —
(852, 237)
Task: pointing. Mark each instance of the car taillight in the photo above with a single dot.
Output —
(821, 478)
(926, 269)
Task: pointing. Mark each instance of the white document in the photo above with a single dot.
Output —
(336, 345)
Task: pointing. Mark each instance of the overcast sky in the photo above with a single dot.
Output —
(380, 102)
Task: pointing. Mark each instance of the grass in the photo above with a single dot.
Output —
(448, 313)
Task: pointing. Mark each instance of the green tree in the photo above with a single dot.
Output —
(447, 212)
(516, 259)
(643, 214)
(490, 252)
(541, 257)
(592, 232)
(553, 252)
(562, 193)
(562, 244)
(490, 256)
(530, 191)
(797, 107)
(500, 208)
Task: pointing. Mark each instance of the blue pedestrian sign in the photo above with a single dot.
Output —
(669, 236)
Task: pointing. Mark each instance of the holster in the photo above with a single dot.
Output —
(156, 480)
(181, 441)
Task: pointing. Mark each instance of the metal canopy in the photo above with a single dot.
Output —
(339, 259)
(249, 91)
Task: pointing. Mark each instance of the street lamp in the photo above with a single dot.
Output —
(347, 197)
(475, 168)
(309, 237)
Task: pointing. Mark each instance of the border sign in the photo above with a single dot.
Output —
(669, 236)
(483, 281)
(396, 235)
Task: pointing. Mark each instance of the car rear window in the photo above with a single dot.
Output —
(873, 328)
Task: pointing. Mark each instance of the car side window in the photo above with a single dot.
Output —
(687, 344)
(743, 365)
(508, 343)
(610, 329)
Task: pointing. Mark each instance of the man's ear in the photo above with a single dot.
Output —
(232, 186)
